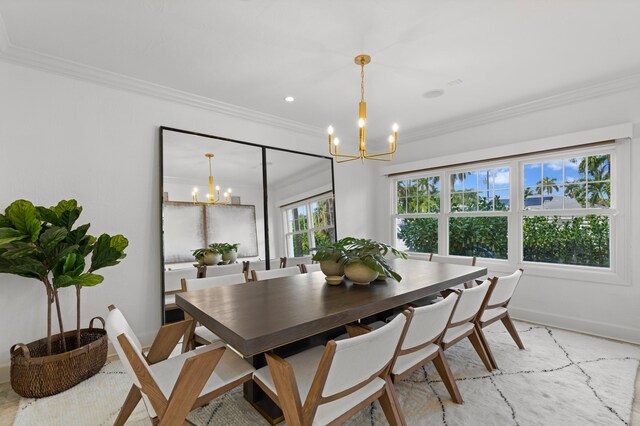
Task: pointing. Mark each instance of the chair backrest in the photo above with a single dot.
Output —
(274, 273)
(116, 325)
(295, 261)
(216, 271)
(471, 261)
(357, 359)
(504, 288)
(210, 282)
(173, 278)
(311, 267)
(429, 322)
(470, 302)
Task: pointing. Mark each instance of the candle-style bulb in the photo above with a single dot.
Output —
(229, 190)
(217, 188)
(336, 141)
(330, 130)
(395, 127)
(361, 123)
(390, 139)
(195, 190)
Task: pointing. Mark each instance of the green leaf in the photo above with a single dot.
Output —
(77, 235)
(71, 265)
(8, 235)
(83, 280)
(52, 237)
(108, 251)
(19, 252)
(4, 222)
(48, 215)
(67, 212)
(119, 242)
(24, 217)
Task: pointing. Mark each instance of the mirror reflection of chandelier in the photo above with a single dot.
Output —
(362, 60)
(213, 197)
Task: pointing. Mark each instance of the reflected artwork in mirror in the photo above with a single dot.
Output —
(217, 194)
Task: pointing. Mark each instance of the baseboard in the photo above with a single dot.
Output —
(593, 328)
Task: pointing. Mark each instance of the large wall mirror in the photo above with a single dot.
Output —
(273, 203)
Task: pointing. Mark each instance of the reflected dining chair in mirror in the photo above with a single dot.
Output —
(274, 273)
(309, 267)
(327, 385)
(172, 387)
(199, 334)
(463, 321)
(496, 307)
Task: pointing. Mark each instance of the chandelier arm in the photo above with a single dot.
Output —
(346, 161)
(379, 159)
(346, 156)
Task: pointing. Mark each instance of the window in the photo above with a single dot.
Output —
(567, 211)
(477, 226)
(556, 208)
(417, 212)
(309, 224)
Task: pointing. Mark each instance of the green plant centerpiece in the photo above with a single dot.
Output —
(43, 244)
(331, 258)
(230, 252)
(210, 255)
(361, 260)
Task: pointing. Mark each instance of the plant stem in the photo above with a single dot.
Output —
(78, 315)
(64, 342)
(49, 301)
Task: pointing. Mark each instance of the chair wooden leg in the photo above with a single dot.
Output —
(129, 405)
(390, 405)
(485, 343)
(479, 347)
(442, 366)
(511, 328)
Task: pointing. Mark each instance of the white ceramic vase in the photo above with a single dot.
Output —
(212, 258)
(359, 273)
(230, 256)
(332, 268)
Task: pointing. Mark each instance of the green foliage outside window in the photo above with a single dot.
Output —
(478, 236)
(566, 240)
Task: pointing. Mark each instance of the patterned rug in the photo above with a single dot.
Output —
(562, 378)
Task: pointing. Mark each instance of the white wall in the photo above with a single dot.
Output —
(592, 307)
(66, 138)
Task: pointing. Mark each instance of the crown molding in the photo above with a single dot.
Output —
(37, 60)
(564, 98)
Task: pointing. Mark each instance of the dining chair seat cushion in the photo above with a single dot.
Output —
(207, 334)
(230, 368)
(405, 362)
(169, 299)
(455, 332)
(490, 314)
(305, 364)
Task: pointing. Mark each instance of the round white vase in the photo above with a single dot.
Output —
(359, 273)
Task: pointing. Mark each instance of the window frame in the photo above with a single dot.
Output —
(307, 202)
(619, 218)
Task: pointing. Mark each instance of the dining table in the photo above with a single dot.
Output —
(289, 314)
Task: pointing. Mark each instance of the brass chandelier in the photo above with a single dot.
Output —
(362, 60)
(213, 197)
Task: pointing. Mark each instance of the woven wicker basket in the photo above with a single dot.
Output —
(34, 374)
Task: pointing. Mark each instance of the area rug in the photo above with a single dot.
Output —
(561, 378)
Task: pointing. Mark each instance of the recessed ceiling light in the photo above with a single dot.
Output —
(455, 82)
(433, 93)
(289, 99)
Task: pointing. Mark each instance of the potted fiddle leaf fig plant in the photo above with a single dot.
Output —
(364, 260)
(42, 243)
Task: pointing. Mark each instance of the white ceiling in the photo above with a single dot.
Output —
(254, 53)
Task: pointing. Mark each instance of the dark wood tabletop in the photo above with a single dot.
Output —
(260, 316)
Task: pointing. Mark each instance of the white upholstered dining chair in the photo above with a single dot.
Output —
(496, 308)
(274, 273)
(422, 344)
(172, 387)
(172, 284)
(327, 385)
(199, 334)
(463, 321)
